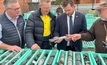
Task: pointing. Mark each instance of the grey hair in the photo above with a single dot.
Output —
(41, 1)
(8, 2)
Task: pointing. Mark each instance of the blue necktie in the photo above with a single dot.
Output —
(70, 24)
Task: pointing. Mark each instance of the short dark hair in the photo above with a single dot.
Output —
(59, 10)
(66, 2)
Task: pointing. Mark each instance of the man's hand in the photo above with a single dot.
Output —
(35, 47)
(58, 40)
(69, 37)
(73, 37)
(76, 37)
(14, 48)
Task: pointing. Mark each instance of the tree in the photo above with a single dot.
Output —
(57, 2)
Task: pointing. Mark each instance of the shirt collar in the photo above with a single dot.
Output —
(10, 17)
(73, 15)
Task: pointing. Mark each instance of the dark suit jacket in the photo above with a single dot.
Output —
(61, 29)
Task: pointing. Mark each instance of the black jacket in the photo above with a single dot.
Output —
(35, 28)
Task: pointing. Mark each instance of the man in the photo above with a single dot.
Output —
(40, 26)
(67, 25)
(59, 10)
(11, 27)
(98, 31)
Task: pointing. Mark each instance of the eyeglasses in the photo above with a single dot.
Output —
(15, 9)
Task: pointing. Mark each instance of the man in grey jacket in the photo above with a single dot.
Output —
(40, 26)
(11, 27)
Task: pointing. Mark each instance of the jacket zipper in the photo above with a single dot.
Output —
(19, 35)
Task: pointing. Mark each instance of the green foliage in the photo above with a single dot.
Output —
(57, 2)
(94, 12)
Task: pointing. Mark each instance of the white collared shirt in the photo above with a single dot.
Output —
(14, 21)
(68, 19)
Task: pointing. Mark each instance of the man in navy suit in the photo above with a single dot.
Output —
(67, 23)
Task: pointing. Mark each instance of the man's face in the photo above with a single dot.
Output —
(14, 9)
(45, 8)
(69, 9)
(103, 14)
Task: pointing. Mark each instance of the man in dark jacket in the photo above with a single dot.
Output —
(11, 27)
(40, 26)
(69, 22)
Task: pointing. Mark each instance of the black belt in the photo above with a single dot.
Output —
(45, 42)
(46, 38)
